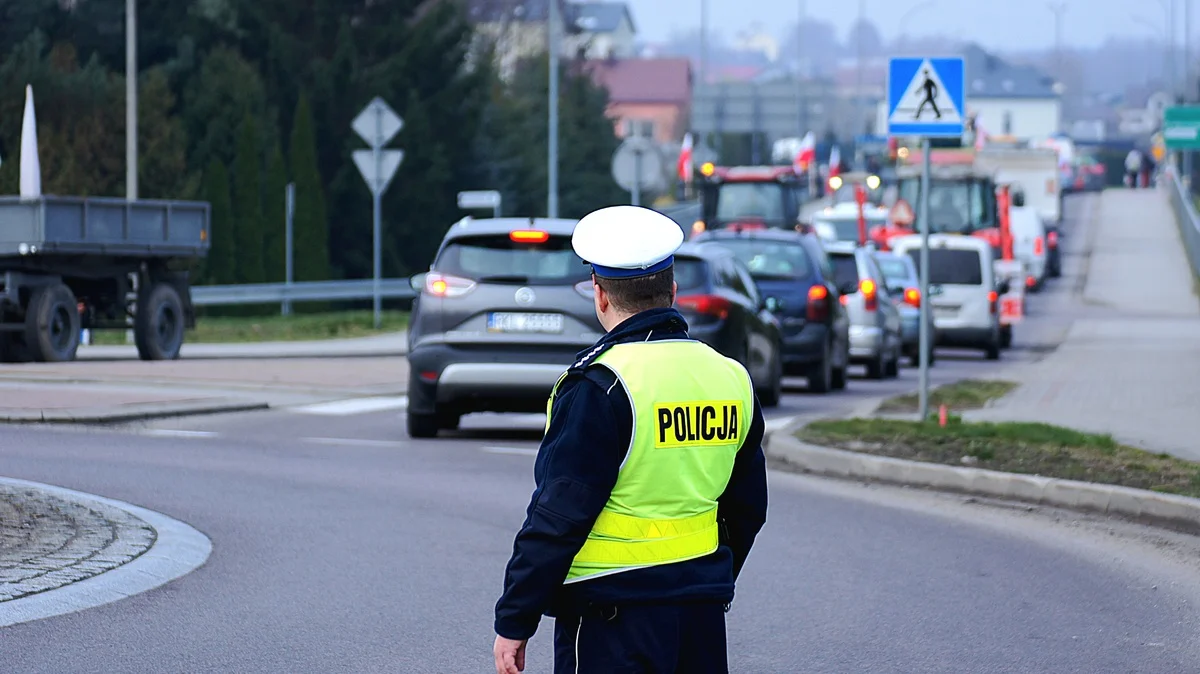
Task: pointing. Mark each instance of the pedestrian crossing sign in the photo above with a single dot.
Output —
(926, 96)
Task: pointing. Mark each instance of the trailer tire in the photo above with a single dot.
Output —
(52, 324)
(158, 325)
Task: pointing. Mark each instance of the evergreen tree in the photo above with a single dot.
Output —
(311, 226)
(275, 217)
(248, 203)
(220, 267)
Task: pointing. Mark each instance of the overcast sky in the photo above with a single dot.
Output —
(1004, 24)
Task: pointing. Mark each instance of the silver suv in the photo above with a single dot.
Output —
(875, 338)
(501, 314)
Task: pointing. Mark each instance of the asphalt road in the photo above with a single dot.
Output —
(342, 546)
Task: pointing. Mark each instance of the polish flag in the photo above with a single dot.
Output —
(807, 153)
(835, 161)
(684, 168)
(980, 134)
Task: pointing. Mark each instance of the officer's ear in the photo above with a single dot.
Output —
(674, 291)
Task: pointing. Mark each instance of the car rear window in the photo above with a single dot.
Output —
(893, 269)
(846, 229)
(691, 275)
(498, 259)
(768, 259)
(845, 270)
(951, 266)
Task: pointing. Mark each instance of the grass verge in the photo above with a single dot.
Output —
(969, 394)
(1013, 447)
(297, 327)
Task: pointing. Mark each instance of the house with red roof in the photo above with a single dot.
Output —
(647, 97)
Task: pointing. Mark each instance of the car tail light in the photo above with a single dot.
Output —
(586, 289)
(429, 376)
(844, 300)
(818, 303)
(529, 236)
(1052, 239)
(709, 305)
(993, 301)
(912, 296)
(1030, 281)
(1039, 246)
(870, 296)
(444, 285)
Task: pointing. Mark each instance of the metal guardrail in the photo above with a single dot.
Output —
(278, 293)
(1186, 215)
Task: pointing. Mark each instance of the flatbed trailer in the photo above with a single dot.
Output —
(74, 263)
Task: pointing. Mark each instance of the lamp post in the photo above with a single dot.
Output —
(131, 130)
(552, 139)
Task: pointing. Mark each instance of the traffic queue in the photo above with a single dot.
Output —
(764, 278)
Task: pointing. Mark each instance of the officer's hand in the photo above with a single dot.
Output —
(510, 655)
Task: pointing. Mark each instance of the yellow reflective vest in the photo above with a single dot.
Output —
(691, 410)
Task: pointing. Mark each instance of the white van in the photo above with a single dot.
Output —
(1029, 244)
(963, 292)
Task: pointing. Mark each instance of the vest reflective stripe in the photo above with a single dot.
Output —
(691, 410)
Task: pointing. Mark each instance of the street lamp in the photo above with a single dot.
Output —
(131, 130)
(552, 141)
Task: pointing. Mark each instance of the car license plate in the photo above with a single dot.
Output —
(523, 322)
(946, 309)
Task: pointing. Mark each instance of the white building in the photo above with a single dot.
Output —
(1006, 99)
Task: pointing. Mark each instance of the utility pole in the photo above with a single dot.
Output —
(1058, 8)
(858, 103)
(131, 130)
(552, 21)
(1188, 85)
(1171, 52)
(801, 103)
(703, 79)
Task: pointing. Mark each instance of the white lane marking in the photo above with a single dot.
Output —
(355, 442)
(777, 424)
(174, 433)
(523, 451)
(353, 406)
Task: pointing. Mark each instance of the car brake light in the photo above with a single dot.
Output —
(443, 285)
(430, 376)
(710, 305)
(993, 299)
(1039, 246)
(1052, 239)
(1030, 281)
(818, 303)
(912, 296)
(529, 236)
(867, 288)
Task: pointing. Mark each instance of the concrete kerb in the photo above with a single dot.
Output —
(128, 413)
(1165, 510)
(178, 550)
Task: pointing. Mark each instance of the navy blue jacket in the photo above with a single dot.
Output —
(591, 424)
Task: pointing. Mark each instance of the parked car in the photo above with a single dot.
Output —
(1029, 244)
(904, 285)
(792, 268)
(725, 309)
(504, 309)
(963, 290)
(875, 339)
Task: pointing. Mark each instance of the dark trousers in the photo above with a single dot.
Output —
(643, 639)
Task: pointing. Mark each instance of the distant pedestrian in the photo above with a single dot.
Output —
(651, 482)
(1133, 168)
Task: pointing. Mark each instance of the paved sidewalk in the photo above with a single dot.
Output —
(392, 344)
(47, 542)
(1130, 362)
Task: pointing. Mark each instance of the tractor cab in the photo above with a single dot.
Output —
(748, 197)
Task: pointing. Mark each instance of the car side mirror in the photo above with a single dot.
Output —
(417, 282)
(1003, 287)
(773, 304)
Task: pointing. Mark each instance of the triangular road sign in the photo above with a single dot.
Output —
(926, 100)
(389, 161)
(902, 214)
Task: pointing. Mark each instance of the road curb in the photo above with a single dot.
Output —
(178, 550)
(1166, 510)
(127, 413)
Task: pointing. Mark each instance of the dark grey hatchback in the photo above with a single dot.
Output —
(501, 314)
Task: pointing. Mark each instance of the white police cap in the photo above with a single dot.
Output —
(627, 241)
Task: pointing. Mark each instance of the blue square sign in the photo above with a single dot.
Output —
(926, 97)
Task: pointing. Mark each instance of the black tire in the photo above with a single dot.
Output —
(1006, 336)
(839, 378)
(820, 375)
(993, 350)
(773, 393)
(877, 367)
(158, 326)
(422, 425)
(893, 366)
(52, 324)
(448, 421)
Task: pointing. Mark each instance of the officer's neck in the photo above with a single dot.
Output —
(611, 319)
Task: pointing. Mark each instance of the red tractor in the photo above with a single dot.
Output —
(748, 197)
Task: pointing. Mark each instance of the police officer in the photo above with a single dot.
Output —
(650, 480)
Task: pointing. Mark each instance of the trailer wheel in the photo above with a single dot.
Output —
(159, 323)
(52, 324)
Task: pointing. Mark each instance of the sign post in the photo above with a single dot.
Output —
(926, 98)
(860, 196)
(482, 199)
(377, 124)
(289, 198)
(637, 166)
